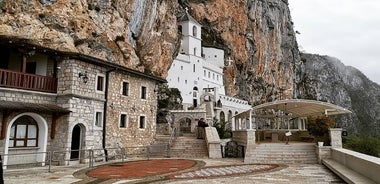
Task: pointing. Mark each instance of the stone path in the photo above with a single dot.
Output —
(223, 171)
(207, 171)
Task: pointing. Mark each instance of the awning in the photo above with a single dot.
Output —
(32, 107)
(294, 108)
(302, 108)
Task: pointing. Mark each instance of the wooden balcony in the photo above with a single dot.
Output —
(19, 80)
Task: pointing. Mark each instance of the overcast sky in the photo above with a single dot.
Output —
(346, 29)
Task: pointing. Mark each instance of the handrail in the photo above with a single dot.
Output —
(28, 81)
(89, 156)
(173, 136)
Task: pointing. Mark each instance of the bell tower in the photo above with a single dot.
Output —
(191, 35)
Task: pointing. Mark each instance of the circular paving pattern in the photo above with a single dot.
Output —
(141, 168)
(224, 171)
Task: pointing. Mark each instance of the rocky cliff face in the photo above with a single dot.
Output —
(327, 79)
(258, 36)
(140, 34)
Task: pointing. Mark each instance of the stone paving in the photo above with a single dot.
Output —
(223, 171)
(211, 171)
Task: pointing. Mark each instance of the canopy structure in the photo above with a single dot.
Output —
(302, 108)
(292, 108)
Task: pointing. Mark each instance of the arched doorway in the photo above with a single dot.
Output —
(195, 96)
(185, 125)
(76, 140)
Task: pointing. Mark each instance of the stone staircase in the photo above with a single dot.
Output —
(159, 146)
(188, 146)
(281, 153)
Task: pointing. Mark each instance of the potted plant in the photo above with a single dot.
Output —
(319, 128)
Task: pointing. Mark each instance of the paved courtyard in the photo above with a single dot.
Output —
(176, 171)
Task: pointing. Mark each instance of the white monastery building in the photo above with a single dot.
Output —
(198, 74)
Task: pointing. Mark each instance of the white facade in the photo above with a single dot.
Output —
(197, 68)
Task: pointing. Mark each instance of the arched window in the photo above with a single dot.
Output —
(24, 133)
(195, 31)
(195, 92)
(222, 117)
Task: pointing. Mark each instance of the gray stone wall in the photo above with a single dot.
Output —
(83, 100)
(16, 95)
(69, 82)
(133, 106)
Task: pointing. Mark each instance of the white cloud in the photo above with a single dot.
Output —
(346, 29)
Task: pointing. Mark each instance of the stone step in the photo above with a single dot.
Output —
(282, 153)
(189, 146)
(283, 161)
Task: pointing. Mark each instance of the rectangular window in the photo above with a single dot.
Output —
(193, 67)
(143, 92)
(142, 122)
(98, 119)
(100, 83)
(123, 121)
(125, 90)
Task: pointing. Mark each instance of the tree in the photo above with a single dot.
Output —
(319, 127)
(223, 128)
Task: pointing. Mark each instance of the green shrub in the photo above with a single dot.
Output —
(319, 127)
(365, 145)
(223, 128)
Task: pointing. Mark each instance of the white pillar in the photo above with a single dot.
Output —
(233, 124)
(250, 119)
(336, 137)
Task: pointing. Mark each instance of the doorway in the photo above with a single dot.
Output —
(76, 139)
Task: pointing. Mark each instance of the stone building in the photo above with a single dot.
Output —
(57, 101)
(197, 72)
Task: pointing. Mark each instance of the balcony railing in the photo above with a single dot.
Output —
(12, 79)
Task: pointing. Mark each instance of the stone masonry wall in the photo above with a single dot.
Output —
(82, 100)
(16, 95)
(133, 106)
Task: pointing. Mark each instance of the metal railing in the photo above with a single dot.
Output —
(89, 156)
(173, 136)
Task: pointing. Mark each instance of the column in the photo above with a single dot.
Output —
(336, 137)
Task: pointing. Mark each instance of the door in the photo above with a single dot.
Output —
(75, 142)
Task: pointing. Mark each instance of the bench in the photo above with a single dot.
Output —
(345, 173)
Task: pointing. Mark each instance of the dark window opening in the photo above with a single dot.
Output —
(143, 92)
(31, 67)
(125, 88)
(123, 121)
(142, 122)
(100, 83)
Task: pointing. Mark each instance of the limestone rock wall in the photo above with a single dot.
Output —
(258, 37)
(256, 34)
(140, 34)
(327, 79)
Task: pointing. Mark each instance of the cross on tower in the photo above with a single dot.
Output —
(229, 60)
